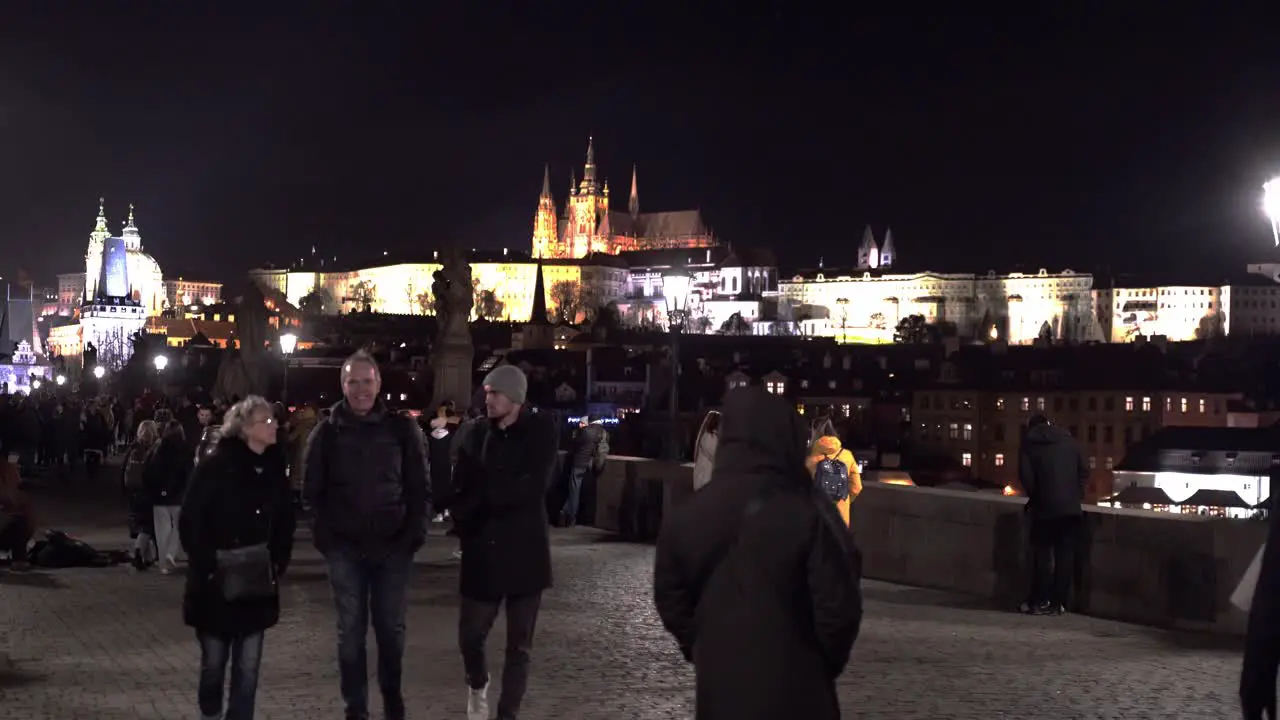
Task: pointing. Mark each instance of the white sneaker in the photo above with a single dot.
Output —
(478, 703)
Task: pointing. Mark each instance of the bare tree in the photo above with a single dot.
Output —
(410, 297)
(364, 294)
(426, 302)
(486, 303)
(567, 301)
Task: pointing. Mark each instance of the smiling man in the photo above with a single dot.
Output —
(366, 479)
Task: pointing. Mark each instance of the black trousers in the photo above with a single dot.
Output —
(1053, 559)
(474, 623)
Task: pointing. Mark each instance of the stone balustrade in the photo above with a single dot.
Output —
(1157, 569)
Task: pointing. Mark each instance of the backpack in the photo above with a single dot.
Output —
(135, 466)
(601, 455)
(832, 476)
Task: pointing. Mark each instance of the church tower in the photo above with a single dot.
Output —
(544, 221)
(132, 238)
(888, 253)
(93, 255)
(587, 206)
(868, 252)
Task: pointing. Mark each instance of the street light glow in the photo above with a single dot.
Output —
(99, 371)
(161, 362)
(61, 379)
(288, 343)
(1271, 206)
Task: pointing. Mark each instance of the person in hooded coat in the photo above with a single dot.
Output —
(756, 575)
(1053, 472)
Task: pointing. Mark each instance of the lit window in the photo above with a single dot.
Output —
(966, 459)
(1026, 404)
(1110, 462)
(1146, 404)
(1093, 463)
(999, 460)
(953, 431)
(1184, 404)
(1168, 404)
(1040, 404)
(1128, 404)
(1202, 403)
(999, 403)
(968, 431)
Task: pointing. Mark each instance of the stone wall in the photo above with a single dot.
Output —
(1151, 568)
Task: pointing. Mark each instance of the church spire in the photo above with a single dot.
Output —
(589, 170)
(539, 314)
(132, 238)
(100, 227)
(128, 223)
(546, 180)
(633, 205)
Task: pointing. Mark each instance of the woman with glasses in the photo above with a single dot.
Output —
(237, 527)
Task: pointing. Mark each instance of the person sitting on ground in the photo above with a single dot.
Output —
(17, 520)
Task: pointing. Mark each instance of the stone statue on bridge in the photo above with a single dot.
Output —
(244, 371)
(452, 352)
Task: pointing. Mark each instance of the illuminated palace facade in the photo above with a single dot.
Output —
(588, 225)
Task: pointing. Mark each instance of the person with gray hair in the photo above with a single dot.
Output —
(237, 527)
(366, 480)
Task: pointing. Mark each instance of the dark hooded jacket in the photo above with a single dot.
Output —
(757, 577)
(1053, 472)
(1262, 641)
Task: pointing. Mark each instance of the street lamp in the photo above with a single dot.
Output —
(35, 384)
(99, 371)
(161, 362)
(675, 293)
(61, 379)
(288, 343)
(1271, 206)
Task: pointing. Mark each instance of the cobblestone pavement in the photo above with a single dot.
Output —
(108, 643)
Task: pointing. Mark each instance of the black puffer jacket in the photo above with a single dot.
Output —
(237, 498)
(366, 479)
(168, 470)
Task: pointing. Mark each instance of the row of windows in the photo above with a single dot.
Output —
(964, 431)
(1041, 404)
(966, 459)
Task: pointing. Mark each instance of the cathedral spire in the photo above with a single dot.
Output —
(633, 205)
(589, 170)
(546, 180)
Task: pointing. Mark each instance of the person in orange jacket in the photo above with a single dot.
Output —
(827, 447)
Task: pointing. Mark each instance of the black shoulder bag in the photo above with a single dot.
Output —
(247, 573)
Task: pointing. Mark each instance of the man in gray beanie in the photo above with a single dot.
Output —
(501, 479)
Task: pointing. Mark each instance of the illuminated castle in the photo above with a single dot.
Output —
(587, 225)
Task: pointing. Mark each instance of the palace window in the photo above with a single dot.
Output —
(966, 459)
(1184, 404)
(968, 431)
(1026, 404)
(777, 387)
(1146, 404)
(953, 431)
(1202, 404)
(1128, 404)
(1040, 404)
(999, 403)
(999, 460)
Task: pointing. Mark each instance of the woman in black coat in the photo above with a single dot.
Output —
(239, 497)
(756, 574)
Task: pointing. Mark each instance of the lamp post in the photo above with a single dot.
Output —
(1271, 206)
(161, 362)
(99, 372)
(288, 343)
(675, 293)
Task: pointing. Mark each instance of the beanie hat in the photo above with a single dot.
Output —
(508, 380)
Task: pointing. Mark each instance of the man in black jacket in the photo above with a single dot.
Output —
(1053, 472)
(582, 460)
(500, 484)
(365, 477)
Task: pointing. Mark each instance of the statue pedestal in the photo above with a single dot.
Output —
(452, 362)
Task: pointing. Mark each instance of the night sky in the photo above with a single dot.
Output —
(1116, 142)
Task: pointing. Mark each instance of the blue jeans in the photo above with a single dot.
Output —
(370, 589)
(245, 654)
(570, 509)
